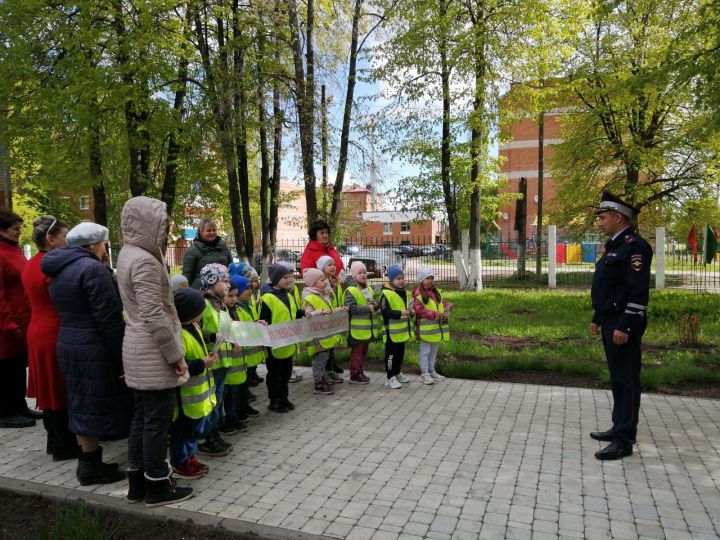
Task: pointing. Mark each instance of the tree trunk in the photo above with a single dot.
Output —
(347, 116)
(541, 174)
(169, 187)
(324, 152)
(99, 194)
(266, 246)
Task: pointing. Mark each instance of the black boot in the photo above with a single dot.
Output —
(91, 470)
(136, 486)
(164, 491)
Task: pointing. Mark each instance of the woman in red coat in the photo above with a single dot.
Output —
(14, 319)
(320, 246)
(45, 376)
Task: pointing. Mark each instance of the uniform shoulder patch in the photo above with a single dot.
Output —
(629, 239)
(636, 261)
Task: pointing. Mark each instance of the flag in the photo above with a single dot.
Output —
(692, 242)
(711, 245)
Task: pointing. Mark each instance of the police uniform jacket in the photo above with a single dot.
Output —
(621, 283)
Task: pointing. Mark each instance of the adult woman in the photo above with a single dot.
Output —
(90, 347)
(320, 246)
(207, 248)
(45, 376)
(14, 320)
(152, 351)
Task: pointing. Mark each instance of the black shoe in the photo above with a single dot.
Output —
(65, 454)
(606, 436)
(288, 404)
(32, 414)
(222, 442)
(338, 369)
(136, 486)
(16, 421)
(614, 450)
(165, 491)
(239, 426)
(91, 470)
(250, 411)
(228, 429)
(278, 407)
(213, 449)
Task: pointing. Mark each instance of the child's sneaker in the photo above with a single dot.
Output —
(323, 388)
(212, 449)
(426, 378)
(229, 429)
(187, 471)
(435, 375)
(333, 378)
(201, 467)
(359, 379)
(393, 383)
(402, 378)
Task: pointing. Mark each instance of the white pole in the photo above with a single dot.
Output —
(552, 256)
(660, 258)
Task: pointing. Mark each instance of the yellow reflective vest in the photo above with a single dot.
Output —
(318, 345)
(432, 330)
(246, 357)
(398, 329)
(366, 327)
(280, 314)
(211, 325)
(197, 395)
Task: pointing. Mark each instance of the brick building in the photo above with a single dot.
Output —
(521, 160)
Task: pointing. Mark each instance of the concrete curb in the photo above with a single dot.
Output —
(63, 494)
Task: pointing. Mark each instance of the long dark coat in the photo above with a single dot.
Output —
(89, 342)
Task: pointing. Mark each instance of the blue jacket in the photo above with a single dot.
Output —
(90, 342)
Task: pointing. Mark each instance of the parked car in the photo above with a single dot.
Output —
(376, 260)
(286, 255)
(408, 250)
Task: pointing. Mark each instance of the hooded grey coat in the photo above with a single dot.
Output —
(153, 339)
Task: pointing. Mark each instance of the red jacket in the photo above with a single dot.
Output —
(14, 306)
(314, 250)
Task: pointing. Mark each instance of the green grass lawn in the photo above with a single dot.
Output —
(502, 329)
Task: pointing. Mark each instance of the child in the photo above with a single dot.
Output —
(279, 306)
(316, 299)
(326, 264)
(396, 316)
(178, 281)
(255, 304)
(236, 376)
(245, 357)
(215, 284)
(360, 300)
(195, 398)
(296, 376)
(430, 323)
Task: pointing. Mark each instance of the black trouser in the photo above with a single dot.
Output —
(330, 364)
(13, 385)
(279, 371)
(60, 440)
(394, 355)
(147, 443)
(624, 362)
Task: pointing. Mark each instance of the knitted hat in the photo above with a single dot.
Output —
(424, 272)
(241, 283)
(189, 303)
(287, 265)
(211, 274)
(356, 267)
(394, 272)
(276, 272)
(87, 233)
(323, 261)
(311, 276)
(178, 281)
(239, 269)
(253, 274)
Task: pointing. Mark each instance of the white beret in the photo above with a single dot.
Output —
(87, 233)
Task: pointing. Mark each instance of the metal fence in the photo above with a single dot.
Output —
(575, 261)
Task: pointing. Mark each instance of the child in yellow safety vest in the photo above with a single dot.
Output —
(364, 316)
(195, 398)
(326, 264)
(254, 304)
(315, 299)
(394, 305)
(279, 305)
(215, 285)
(431, 323)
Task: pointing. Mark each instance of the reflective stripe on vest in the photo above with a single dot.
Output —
(397, 329)
(197, 395)
(327, 343)
(431, 330)
(281, 313)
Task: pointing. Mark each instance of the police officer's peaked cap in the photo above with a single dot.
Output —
(608, 202)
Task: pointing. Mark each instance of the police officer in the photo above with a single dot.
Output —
(620, 293)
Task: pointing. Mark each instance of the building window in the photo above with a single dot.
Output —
(405, 227)
(85, 202)
(387, 228)
(358, 214)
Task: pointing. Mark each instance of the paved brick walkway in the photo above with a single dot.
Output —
(460, 459)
